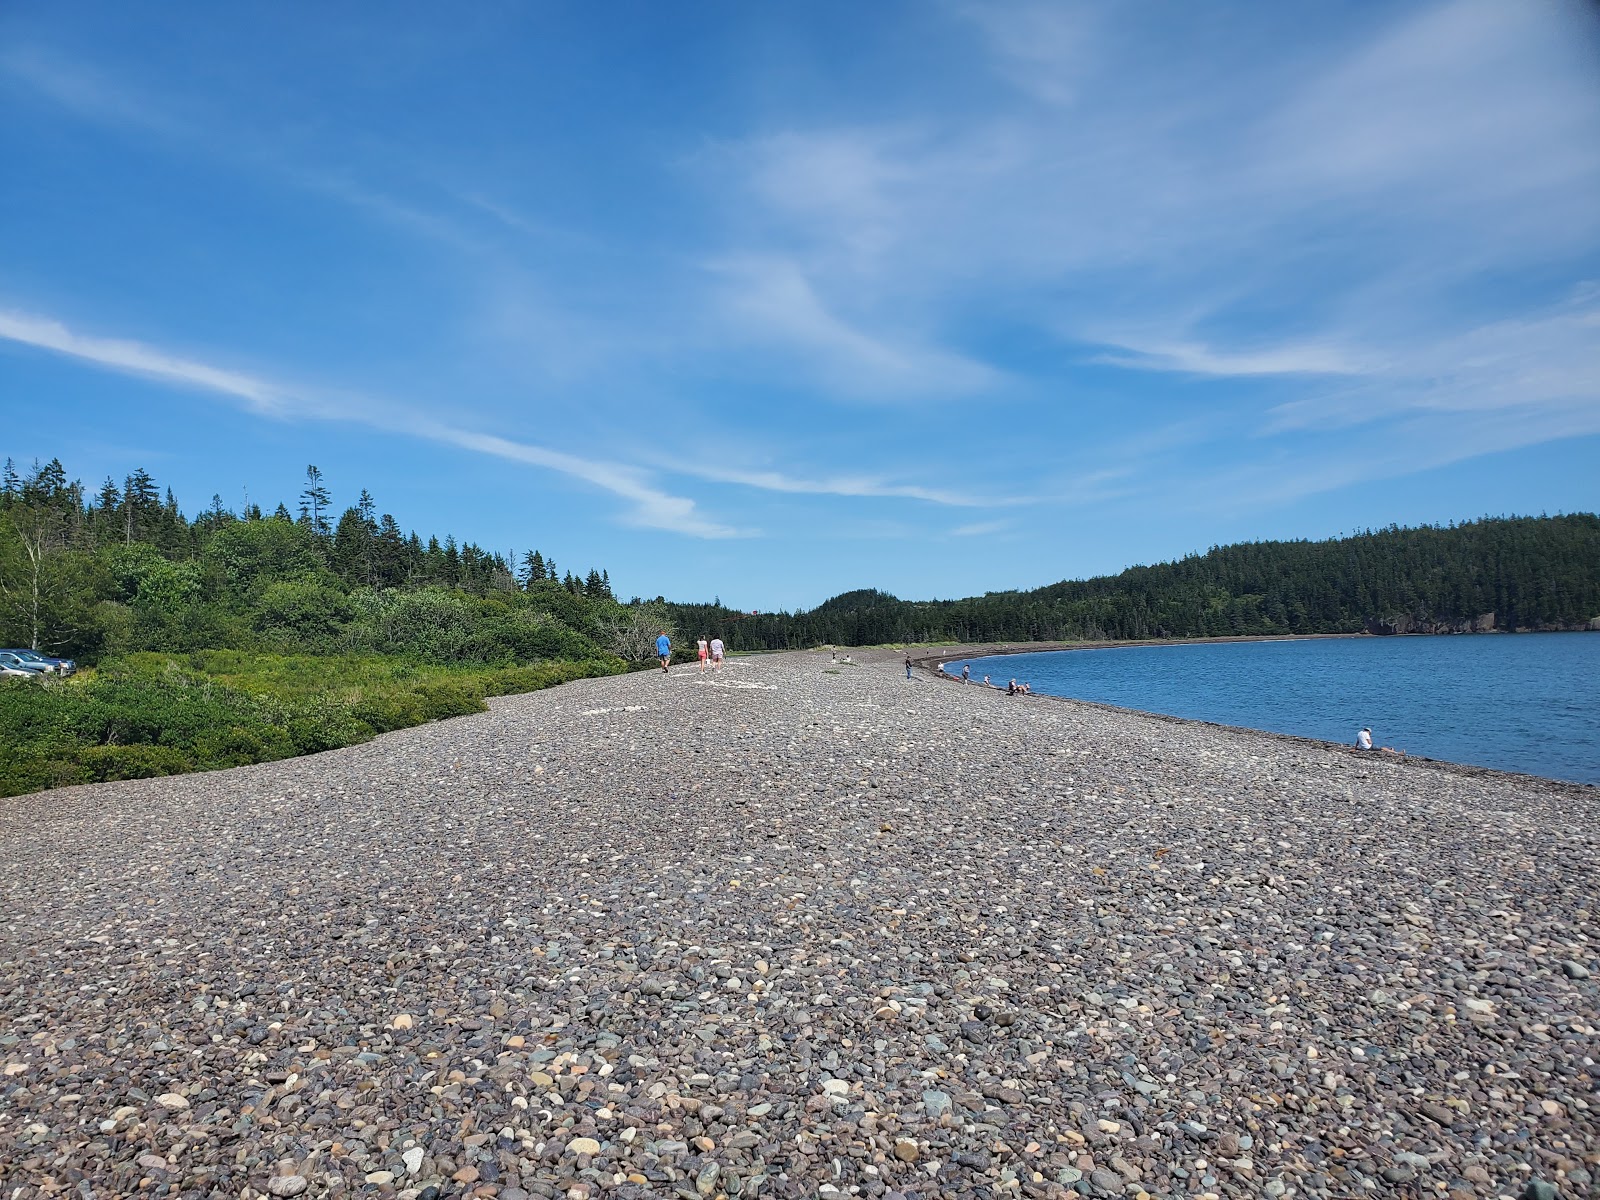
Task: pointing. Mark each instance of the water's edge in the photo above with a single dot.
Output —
(930, 665)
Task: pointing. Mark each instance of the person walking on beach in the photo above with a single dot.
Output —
(908, 664)
(716, 653)
(966, 672)
(705, 653)
(664, 652)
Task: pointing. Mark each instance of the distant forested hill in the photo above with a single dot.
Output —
(1501, 573)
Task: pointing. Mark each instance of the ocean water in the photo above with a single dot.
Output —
(1527, 702)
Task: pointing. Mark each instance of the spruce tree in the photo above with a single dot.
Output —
(313, 500)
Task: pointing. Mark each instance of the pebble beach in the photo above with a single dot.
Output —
(799, 929)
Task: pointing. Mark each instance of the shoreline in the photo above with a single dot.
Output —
(929, 666)
(796, 930)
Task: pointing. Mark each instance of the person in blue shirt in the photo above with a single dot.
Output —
(664, 649)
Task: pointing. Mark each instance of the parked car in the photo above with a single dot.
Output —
(15, 665)
(59, 666)
(7, 671)
(10, 658)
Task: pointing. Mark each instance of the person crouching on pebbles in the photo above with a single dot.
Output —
(664, 652)
(705, 652)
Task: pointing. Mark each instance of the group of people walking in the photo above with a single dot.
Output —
(710, 651)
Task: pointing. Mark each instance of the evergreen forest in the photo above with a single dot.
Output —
(1510, 573)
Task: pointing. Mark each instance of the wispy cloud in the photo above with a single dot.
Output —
(980, 529)
(651, 507)
(1196, 358)
(772, 300)
(843, 485)
(1042, 48)
(87, 93)
(136, 358)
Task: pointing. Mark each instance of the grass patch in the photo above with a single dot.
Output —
(162, 714)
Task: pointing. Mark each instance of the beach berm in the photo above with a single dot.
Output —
(802, 929)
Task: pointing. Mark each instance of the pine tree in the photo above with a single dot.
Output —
(139, 496)
(313, 500)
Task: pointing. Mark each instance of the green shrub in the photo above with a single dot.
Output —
(103, 763)
(152, 714)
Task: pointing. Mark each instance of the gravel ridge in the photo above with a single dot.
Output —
(803, 929)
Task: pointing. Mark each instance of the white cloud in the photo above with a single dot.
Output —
(139, 359)
(771, 300)
(651, 507)
(1195, 358)
(840, 485)
(1043, 49)
(85, 92)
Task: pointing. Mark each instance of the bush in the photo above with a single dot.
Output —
(103, 763)
(150, 714)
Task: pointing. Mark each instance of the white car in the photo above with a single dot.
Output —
(18, 672)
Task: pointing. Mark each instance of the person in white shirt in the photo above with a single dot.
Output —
(1364, 740)
(716, 653)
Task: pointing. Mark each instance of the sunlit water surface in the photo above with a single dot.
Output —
(1516, 702)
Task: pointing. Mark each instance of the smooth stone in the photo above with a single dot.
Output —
(287, 1185)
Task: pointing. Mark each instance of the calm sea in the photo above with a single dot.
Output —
(1517, 702)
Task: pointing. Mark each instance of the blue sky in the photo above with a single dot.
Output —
(769, 302)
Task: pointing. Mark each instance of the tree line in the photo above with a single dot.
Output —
(121, 569)
(1498, 572)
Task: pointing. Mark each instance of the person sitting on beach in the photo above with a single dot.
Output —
(1364, 742)
(986, 682)
(1024, 689)
(1011, 688)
